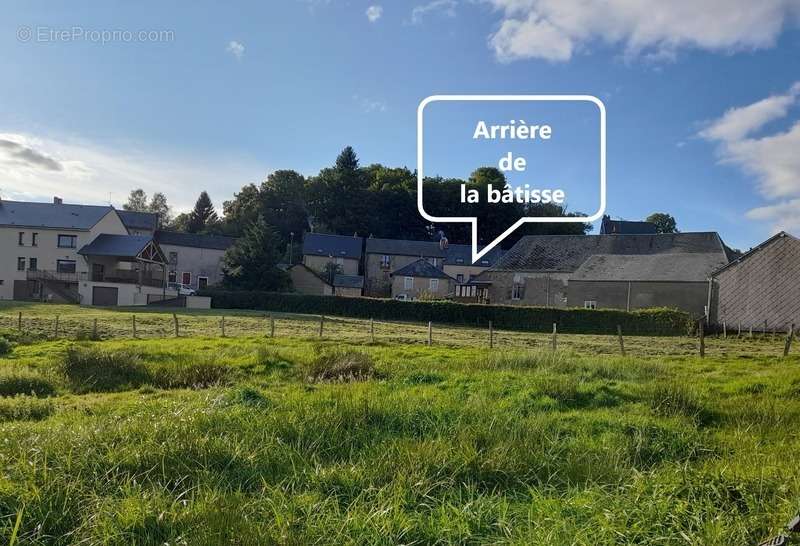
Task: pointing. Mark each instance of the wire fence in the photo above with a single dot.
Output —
(87, 324)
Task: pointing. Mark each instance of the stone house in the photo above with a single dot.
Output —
(193, 259)
(321, 249)
(760, 289)
(539, 268)
(421, 279)
(307, 281)
(384, 256)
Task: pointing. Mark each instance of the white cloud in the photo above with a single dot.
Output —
(89, 173)
(236, 49)
(374, 13)
(772, 159)
(656, 29)
(369, 106)
(448, 7)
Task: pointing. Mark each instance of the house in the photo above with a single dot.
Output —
(307, 281)
(421, 279)
(625, 227)
(628, 282)
(760, 289)
(193, 259)
(122, 270)
(40, 243)
(384, 256)
(539, 268)
(319, 250)
(459, 265)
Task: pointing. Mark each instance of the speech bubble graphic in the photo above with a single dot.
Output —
(473, 220)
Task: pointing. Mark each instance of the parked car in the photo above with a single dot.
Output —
(182, 289)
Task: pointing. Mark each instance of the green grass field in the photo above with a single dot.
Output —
(300, 440)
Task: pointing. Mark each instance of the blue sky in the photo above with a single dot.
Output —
(701, 96)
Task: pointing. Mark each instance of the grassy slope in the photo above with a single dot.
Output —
(448, 445)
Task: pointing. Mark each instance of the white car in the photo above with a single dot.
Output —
(182, 289)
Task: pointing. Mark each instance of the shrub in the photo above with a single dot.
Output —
(341, 365)
(96, 370)
(25, 382)
(5, 347)
(522, 318)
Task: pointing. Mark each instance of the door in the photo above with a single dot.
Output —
(202, 283)
(186, 278)
(105, 296)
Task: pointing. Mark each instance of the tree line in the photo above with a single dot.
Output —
(344, 199)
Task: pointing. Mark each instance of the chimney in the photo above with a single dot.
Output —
(57, 201)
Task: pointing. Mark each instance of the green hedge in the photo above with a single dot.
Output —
(530, 319)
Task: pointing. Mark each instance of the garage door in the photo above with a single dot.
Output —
(104, 295)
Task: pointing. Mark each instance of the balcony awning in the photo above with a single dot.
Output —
(125, 247)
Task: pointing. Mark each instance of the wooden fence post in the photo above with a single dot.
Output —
(751, 331)
(430, 333)
(19, 321)
(321, 324)
(724, 330)
(621, 342)
(555, 337)
(133, 322)
(702, 340)
(739, 330)
(491, 335)
(175, 319)
(222, 325)
(271, 326)
(94, 329)
(788, 346)
(55, 335)
(372, 330)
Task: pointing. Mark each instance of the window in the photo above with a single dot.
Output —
(32, 264)
(172, 276)
(34, 239)
(20, 264)
(173, 258)
(460, 278)
(434, 285)
(408, 283)
(67, 241)
(386, 261)
(590, 304)
(434, 262)
(516, 292)
(186, 278)
(21, 241)
(65, 266)
(202, 283)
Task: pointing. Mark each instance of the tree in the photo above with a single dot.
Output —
(665, 223)
(251, 264)
(203, 216)
(283, 202)
(339, 198)
(137, 202)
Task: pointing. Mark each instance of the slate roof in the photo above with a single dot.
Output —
(462, 255)
(421, 268)
(122, 246)
(669, 267)
(195, 240)
(139, 220)
(566, 253)
(51, 215)
(402, 247)
(737, 259)
(348, 281)
(625, 227)
(320, 244)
